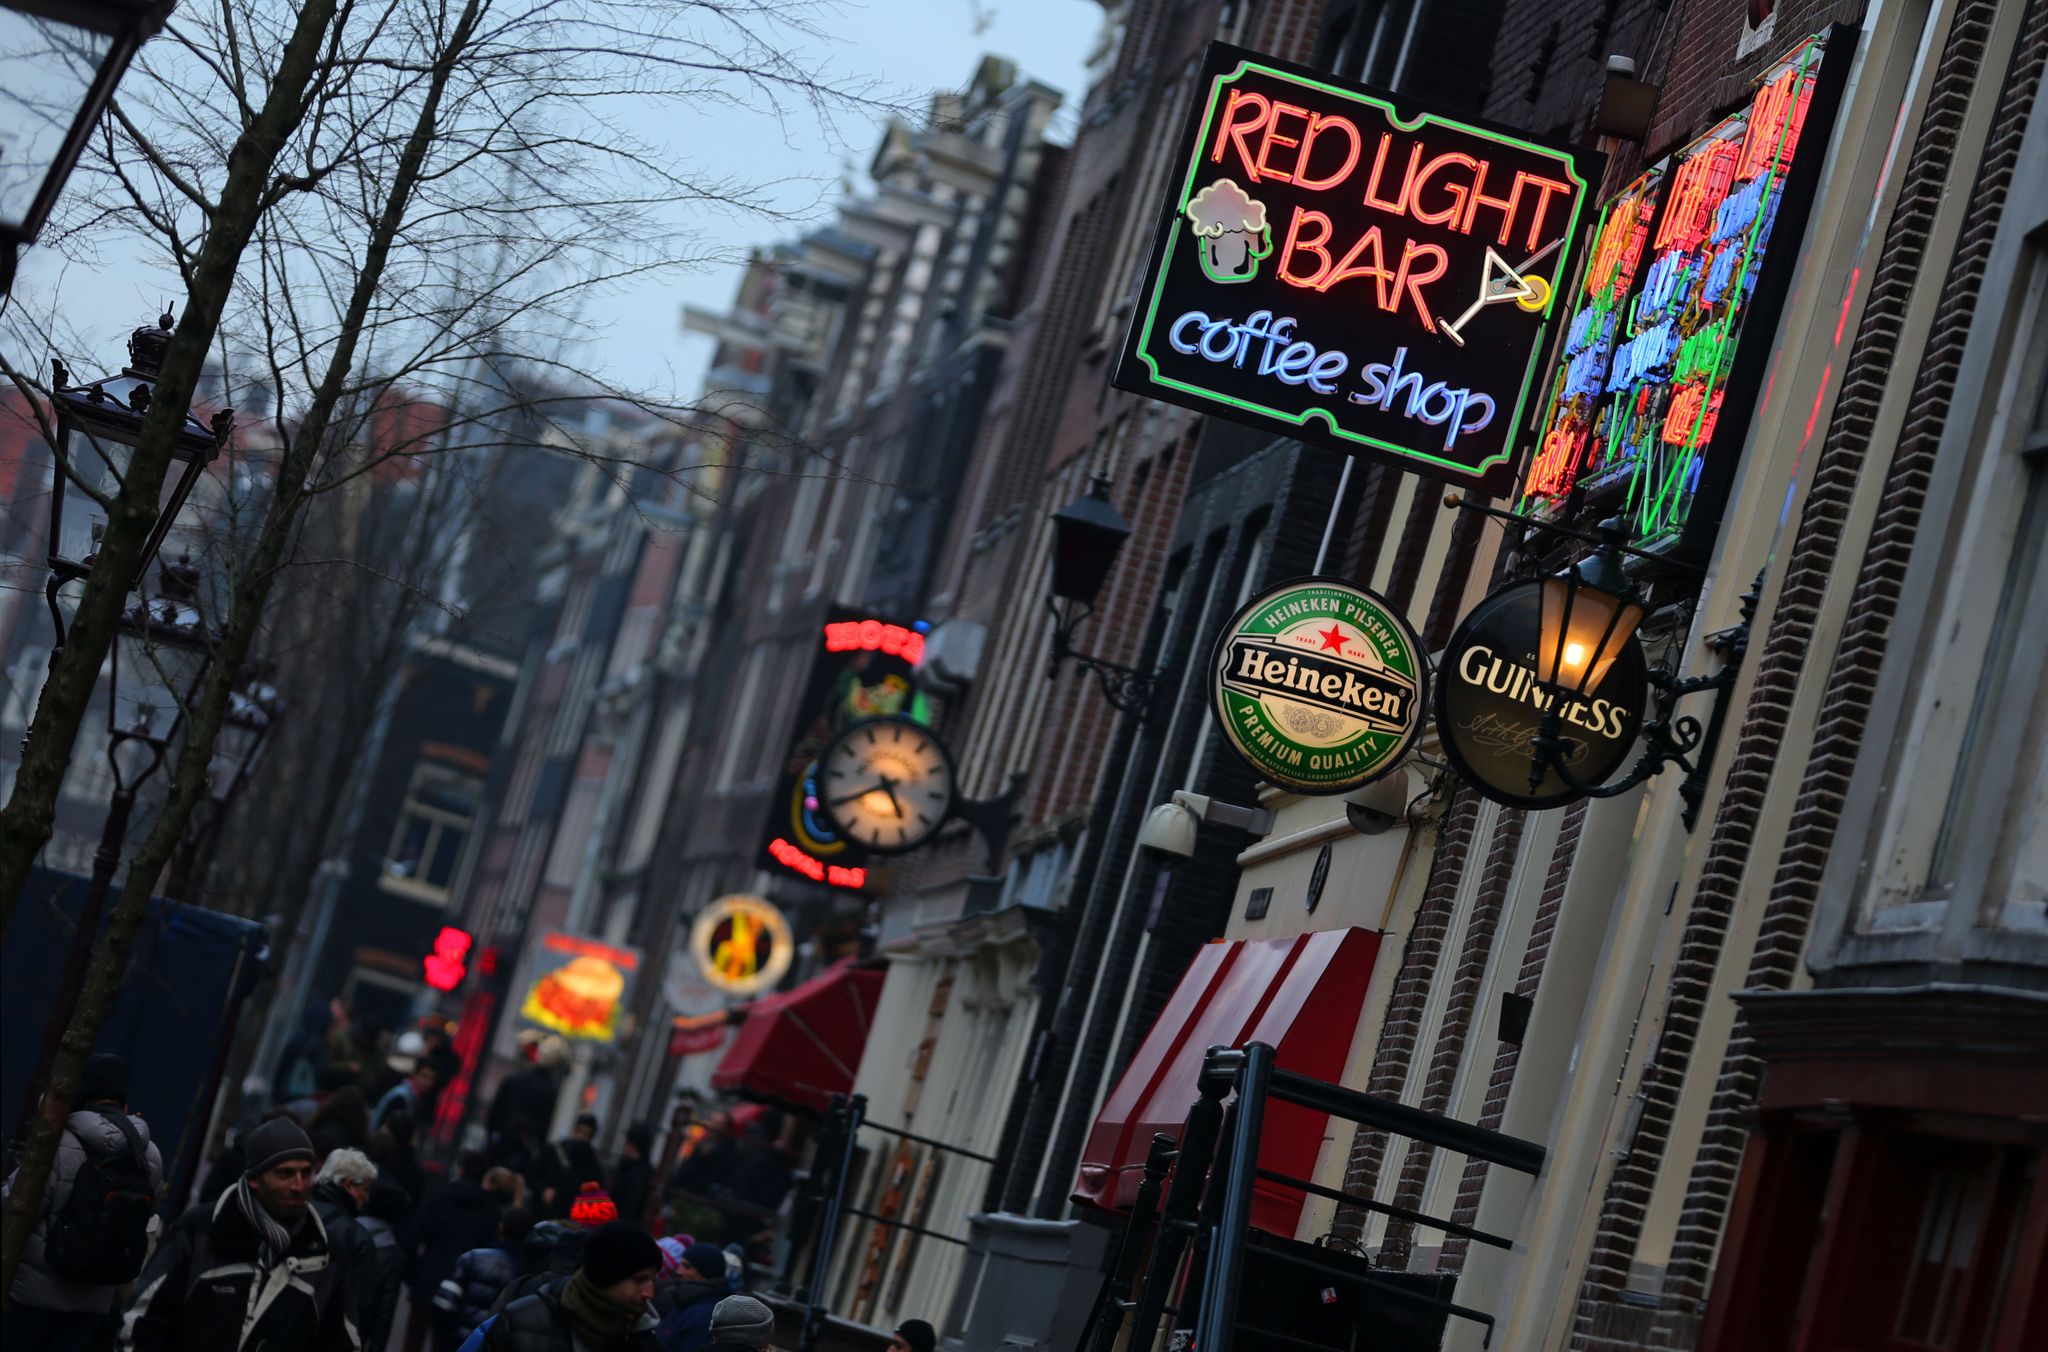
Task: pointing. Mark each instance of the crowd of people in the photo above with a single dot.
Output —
(319, 1229)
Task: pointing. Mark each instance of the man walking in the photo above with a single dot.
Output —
(742, 1324)
(602, 1307)
(92, 1233)
(341, 1191)
(253, 1272)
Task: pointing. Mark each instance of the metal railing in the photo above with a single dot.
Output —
(823, 1195)
(1208, 1209)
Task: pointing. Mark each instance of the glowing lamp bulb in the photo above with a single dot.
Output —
(1574, 654)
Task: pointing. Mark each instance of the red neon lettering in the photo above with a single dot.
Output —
(1684, 415)
(1312, 246)
(1411, 282)
(443, 967)
(1373, 266)
(1556, 466)
(1448, 216)
(1372, 181)
(1236, 129)
(846, 636)
(790, 857)
(1702, 182)
(1777, 116)
(840, 876)
(1317, 125)
(1273, 138)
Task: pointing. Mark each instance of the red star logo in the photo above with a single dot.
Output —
(1333, 639)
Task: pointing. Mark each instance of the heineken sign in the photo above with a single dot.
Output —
(1489, 705)
(1340, 266)
(1319, 685)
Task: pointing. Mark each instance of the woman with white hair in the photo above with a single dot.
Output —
(340, 1191)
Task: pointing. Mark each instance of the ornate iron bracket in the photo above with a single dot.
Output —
(994, 818)
(1127, 689)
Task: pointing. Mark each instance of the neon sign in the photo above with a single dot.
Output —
(1357, 274)
(1649, 353)
(444, 967)
(862, 669)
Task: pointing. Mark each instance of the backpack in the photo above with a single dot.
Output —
(100, 1236)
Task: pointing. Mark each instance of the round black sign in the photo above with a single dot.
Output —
(1489, 706)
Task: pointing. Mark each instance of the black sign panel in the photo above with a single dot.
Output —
(1489, 706)
(1355, 271)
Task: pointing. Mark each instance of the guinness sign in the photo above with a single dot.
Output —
(1489, 705)
(1319, 686)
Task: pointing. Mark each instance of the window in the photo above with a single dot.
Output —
(426, 845)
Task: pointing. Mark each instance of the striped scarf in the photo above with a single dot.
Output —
(274, 1240)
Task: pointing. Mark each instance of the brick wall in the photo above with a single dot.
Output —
(1780, 665)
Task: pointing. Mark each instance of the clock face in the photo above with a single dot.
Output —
(887, 784)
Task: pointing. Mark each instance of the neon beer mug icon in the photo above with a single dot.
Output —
(1231, 232)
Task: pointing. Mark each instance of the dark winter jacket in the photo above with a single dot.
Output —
(631, 1181)
(458, 1218)
(86, 1130)
(372, 1276)
(207, 1276)
(385, 1277)
(685, 1311)
(537, 1324)
(466, 1298)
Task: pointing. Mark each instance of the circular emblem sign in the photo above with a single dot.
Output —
(1319, 685)
(742, 944)
(1489, 706)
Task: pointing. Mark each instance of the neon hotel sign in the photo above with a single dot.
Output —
(1356, 275)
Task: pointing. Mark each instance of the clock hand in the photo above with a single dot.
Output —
(844, 799)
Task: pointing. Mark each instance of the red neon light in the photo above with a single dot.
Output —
(590, 948)
(848, 636)
(817, 870)
(444, 967)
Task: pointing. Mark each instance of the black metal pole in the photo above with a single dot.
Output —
(1140, 1232)
(1183, 1199)
(1216, 1326)
(105, 863)
(828, 1228)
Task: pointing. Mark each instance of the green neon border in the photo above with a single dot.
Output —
(1507, 454)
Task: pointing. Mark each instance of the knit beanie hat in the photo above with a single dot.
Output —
(615, 1252)
(105, 1079)
(708, 1259)
(593, 1207)
(672, 1250)
(920, 1335)
(742, 1320)
(273, 1143)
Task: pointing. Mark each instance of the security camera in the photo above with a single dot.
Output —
(1168, 835)
(1379, 806)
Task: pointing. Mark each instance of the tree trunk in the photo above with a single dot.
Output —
(67, 693)
(188, 782)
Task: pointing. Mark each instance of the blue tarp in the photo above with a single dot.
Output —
(187, 977)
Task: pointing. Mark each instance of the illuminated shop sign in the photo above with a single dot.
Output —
(444, 968)
(742, 944)
(1318, 685)
(577, 987)
(1341, 268)
(1647, 405)
(862, 670)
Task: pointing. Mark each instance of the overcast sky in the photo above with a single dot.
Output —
(909, 46)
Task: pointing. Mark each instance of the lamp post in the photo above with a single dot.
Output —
(1088, 533)
(253, 709)
(59, 63)
(161, 651)
(98, 423)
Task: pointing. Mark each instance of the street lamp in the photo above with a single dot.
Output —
(1087, 535)
(59, 63)
(105, 418)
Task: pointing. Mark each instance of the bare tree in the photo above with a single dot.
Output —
(437, 135)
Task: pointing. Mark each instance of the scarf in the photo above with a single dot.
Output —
(595, 1317)
(273, 1238)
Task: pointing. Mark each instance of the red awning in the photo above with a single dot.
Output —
(1300, 995)
(804, 1045)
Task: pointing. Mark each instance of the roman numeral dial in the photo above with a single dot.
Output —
(886, 784)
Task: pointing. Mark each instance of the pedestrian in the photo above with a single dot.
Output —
(741, 1324)
(633, 1180)
(528, 1096)
(410, 1095)
(458, 1218)
(553, 1250)
(471, 1291)
(254, 1271)
(913, 1335)
(341, 1189)
(604, 1306)
(341, 1122)
(383, 1217)
(391, 1150)
(571, 1163)
(505, 1185)
(686, 1300)
(92, 1232)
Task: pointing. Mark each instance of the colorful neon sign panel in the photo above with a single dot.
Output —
(1341, 267)
(862, 670)
(1639, 389)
